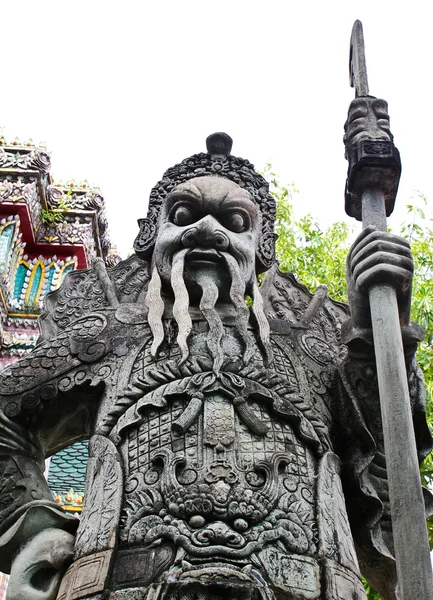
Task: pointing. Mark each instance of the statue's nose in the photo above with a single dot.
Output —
(205, 234)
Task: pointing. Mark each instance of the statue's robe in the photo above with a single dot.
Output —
(266, 479)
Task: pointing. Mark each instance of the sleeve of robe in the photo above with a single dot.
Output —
(26, 502)
(359, 439)
(48, 399)
(37, 420)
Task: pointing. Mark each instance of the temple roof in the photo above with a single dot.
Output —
(68, 469)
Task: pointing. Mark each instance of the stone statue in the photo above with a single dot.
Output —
(235, 447)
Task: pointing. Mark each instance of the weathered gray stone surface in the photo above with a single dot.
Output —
(234, 452)
(371, 188)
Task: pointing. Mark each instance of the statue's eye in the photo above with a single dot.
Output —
(183, 216)
(235, 221)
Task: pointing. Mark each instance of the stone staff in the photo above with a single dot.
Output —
(371, 187)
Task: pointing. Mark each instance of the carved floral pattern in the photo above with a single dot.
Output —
(25, 159)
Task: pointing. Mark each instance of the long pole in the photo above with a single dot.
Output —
(414, 568)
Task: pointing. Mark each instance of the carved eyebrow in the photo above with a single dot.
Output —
(240, 202)
(191, 191)
(180, 196)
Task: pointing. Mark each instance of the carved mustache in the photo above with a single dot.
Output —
(206, 254)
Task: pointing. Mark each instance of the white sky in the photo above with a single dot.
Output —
(121, 91)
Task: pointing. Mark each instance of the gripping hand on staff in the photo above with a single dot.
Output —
(375, 258)
(39, 565)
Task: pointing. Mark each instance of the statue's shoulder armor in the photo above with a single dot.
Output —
(292, 309)
(88, 290)
(78, 327)
(83, 342)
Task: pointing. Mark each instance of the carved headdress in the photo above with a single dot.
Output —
(216, 162)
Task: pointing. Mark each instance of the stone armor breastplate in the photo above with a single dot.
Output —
(231, 475)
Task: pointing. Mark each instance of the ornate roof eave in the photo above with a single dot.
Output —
(95, 228)
(25, 180)
(52, 223)
(27, 173)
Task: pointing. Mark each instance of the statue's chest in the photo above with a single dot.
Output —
(242, 414)
(218, 435)
(226, 445)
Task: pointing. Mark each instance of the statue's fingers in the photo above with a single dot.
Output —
(376, 234)
(397, 276)
(392, 237)
(377, 247)
(364, 233)
(384, 236)
(383, 260)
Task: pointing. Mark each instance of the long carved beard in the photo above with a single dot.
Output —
(210, 294)
(216, 328)
(237, 296)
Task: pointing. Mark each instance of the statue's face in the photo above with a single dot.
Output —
(210, 217)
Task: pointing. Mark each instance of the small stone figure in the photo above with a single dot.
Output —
(235, 452)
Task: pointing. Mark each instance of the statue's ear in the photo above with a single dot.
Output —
(145, 240)
(265, 256)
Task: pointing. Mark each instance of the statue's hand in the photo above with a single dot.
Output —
(39, 565)
(378, 257)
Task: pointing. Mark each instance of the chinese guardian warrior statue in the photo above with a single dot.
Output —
(235, 444)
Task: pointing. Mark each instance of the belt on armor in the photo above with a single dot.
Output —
(87, 575)
(136, 567)
(139, 568)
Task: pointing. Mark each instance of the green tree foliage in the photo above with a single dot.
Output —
(318, 256)
(371, 593)
(315, 255)
(419, 231)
